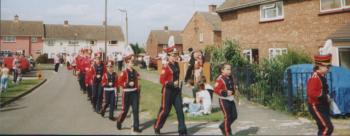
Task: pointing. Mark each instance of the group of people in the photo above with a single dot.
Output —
(102, 85)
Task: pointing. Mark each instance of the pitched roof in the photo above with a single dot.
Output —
(213, 19)
(162, 36)
(22, 28)
(84, 32)
(342, 34)
(232, 5)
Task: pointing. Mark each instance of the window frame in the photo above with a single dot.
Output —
(201, 37)
(51, 42)
(342, 6)
(274, 53)
(5, 39)
(32, 39)
(278, 17)
(110, 42)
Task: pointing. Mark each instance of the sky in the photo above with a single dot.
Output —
(143, 15)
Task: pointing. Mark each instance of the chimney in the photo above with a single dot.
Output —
(212, 8)
(65, 22)
(166, 28)
(16, 18)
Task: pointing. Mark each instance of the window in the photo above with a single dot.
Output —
(9, 38)
(329, 5)
(113, 42)
(272, 11)
(34, 39)
(252, 55)
(273, 52)
(201, 37)
(73, 42)
(92, 42)
(344, 57)
(50, 42)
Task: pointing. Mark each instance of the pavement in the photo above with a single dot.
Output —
(59, 107)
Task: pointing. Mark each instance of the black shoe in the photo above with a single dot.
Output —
(222, 130)
(157, 131)
(119, 125)
(102, 114)
(183, 133)
(112, 118)
(136, 130)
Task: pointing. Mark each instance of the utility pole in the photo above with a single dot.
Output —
(105, 23)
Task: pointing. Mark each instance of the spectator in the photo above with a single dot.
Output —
(120, 61)
(15, 64)
(147, 60)
(57, 62)
(4, 77)
(203, 101)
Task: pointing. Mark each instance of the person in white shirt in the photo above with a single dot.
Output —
(147, 60)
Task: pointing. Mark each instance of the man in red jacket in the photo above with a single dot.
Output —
(110, 89)
(128, 80)
(89, 81)
(171, 93)
(317, 95)
(98, 69)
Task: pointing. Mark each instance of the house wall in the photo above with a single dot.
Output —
(303, 27)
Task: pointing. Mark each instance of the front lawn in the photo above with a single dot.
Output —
(151, 99)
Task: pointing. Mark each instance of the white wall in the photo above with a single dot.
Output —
(63, 46)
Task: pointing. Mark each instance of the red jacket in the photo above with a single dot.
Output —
(93, 71)
(89, 77)
(105, 80)
(314, 89)
(166, 75)
(221, 87)
(123, 79)
(78, 63)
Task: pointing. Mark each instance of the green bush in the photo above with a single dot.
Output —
(43, 58)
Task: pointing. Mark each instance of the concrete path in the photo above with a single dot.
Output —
(58, 107)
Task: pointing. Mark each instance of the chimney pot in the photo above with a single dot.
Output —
(212, 8)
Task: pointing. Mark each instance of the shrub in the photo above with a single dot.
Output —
(43, 58)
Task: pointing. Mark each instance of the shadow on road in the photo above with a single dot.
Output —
(249, 131)
(147, 124)
(194, 129)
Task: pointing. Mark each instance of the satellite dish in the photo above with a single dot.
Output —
(171, 41)
(327, 48)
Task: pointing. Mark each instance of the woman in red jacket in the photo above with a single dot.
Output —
(226, 89)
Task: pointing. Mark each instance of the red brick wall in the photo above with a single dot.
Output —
(302, 29)
(190, 36)
(22, 43)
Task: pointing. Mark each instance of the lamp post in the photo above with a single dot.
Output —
(105, 23)
(126, 24)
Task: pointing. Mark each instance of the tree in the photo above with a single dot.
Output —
(137, 50)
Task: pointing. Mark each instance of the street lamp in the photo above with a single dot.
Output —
(126, 24)
(105, 23)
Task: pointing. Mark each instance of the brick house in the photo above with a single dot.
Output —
(341, 46)
(69, 39)
(22, 36)
(266, 28)
(203, 29)
(158, 39)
